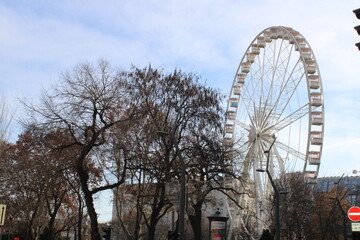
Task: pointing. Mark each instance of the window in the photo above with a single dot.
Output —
(352, 199)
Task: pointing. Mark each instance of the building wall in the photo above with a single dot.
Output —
(351, 185)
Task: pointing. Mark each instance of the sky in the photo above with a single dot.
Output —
(41, 39)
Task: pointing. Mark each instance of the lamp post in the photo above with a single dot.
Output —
(276, 191)
(182, 178)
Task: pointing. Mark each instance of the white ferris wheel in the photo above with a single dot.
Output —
(276, 98)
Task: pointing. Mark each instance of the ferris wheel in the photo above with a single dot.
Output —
(275, 112)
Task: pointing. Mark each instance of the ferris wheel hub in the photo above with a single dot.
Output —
(260, 134)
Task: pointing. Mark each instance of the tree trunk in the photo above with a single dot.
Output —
(51, 230)
(88, 195)
(51, 225)
(80, 213)
(195, 221)
(151, 234)
(95, 235)
(29, 231)
(153, 222)
(158, 204)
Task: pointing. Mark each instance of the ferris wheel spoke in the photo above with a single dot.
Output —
(243, 148)
(277, 60)
(288, 89)
(286, 62)
(280, 160)
(288, 82)
(291, 118)
(248, 100)
(242, 124)
(290, 150)
(247, 162)
(281, 62)
(291, 91)
(268, 92)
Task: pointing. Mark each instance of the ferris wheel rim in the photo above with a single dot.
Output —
(314, 91)
(296, 37)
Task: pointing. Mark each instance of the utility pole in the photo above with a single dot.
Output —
(276, 192)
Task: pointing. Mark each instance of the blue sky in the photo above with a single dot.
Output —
(40, 39)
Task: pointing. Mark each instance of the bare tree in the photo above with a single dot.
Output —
(86, 105)
(176, 105)
(211, 165)
(297, 206)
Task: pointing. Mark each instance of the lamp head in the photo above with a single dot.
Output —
(162, 133)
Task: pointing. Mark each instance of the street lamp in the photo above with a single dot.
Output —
(276, 191)
(182, 180)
